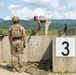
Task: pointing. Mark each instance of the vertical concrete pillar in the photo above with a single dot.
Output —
(0, 49)
(63, 64)
(6, 54)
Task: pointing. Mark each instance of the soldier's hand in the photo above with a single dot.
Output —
(24, 45)
(34, 32)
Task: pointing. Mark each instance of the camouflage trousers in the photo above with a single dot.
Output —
(17, 53)
(47, 24)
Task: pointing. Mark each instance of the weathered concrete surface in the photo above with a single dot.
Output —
(63, 64)
(40, 48)
(0, 48)
(37, 48)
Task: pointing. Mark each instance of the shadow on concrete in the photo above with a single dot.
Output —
(46, 62)
(6, 67)
(28, 39)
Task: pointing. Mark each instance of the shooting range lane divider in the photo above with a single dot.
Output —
(1, 47)
(64, 54)
(37, 48)
(56, 49)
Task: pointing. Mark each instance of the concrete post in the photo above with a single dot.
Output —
(0, 49)
(63, 64)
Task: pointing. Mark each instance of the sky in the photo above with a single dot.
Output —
(27, 9)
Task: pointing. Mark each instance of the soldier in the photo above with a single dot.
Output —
(43, 20)
(17, 39)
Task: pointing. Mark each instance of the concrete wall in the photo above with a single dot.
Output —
(63, 64)
(0, 49)
(40, 48)
(37, 48)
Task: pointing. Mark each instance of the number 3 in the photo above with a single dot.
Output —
(65, 54)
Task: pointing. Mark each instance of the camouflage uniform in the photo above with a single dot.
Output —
(47, 24)
(16, 48)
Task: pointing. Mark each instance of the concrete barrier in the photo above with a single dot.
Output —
(40, 48)
(63, 64)
(37, 48)
(0, 48)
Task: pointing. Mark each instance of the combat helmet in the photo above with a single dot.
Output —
(15, 19)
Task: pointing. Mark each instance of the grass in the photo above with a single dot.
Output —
(50, 32)
(29, 32)
(3, 31)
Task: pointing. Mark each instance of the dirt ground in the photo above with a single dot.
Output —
(31, 68)
(5, 70)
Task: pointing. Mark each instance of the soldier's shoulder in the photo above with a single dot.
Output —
(21, 27)
(10, 27)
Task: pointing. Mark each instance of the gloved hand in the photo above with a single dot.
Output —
(24, 45)
(34, 32)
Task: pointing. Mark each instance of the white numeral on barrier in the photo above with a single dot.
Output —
(65, 47)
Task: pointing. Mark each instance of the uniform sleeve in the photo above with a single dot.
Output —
(9, 29)
(22, 28)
